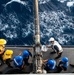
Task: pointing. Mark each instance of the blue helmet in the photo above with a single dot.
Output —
(18, 60)
(25, 53)
(51, 62)
(64, 59)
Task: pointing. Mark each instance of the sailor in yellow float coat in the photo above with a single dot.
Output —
(7, 57)
(2, 49)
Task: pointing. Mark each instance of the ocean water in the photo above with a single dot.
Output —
(56, 19)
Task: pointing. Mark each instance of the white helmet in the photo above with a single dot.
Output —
(51, 39)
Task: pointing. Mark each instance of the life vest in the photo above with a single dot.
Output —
(2, 45)
(65, 65)
(58, 45)
(7, 54)
(2, 48)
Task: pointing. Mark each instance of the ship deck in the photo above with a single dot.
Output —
(68, 51)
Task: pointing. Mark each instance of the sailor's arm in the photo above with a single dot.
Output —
(48, 46)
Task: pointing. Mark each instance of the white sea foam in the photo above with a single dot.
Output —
(13, 17)
(10, 34)
(43, 1)
(9, 28)
(62, 1)
(69, 4)
(18, 1)
(52, 24)
(56, 23)
(29, 29)
(4, 27)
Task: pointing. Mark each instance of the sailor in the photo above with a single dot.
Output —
(18, 62)
(2, 49)
(63, 64)
(7, 57)
(50, 65)
(56, 47)
(25, 55)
